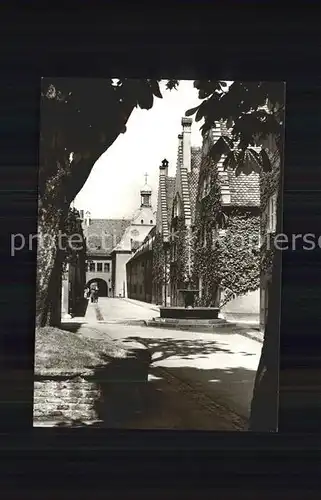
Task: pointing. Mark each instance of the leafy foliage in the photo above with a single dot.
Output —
(183, 254)
(208, 212)
(82, 118)
(158, 272)
(73, 238)
(251, 111)
(230, 261)
(238, 271)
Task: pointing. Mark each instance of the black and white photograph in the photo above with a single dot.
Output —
(156, 244)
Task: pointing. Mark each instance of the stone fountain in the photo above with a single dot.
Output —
(188, 317)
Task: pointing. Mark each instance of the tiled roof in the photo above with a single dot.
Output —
(244, 189)
(104, 234)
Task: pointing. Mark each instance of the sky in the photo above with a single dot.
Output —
(113, 188)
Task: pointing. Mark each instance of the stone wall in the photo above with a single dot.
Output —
(106, 395)
(63, 400)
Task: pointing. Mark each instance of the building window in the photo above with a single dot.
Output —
(141, 288)
(92, 267)
(146, 200)
(151, 222)
(106, 267)
(99, 267)
(142, 222)
(204, 240)
(271, 214)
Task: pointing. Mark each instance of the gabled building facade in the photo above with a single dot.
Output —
(139, 227)
(102, 236)
(227, 208)
(139, 270)
(110, 243)
(269, 189)
(173, 256)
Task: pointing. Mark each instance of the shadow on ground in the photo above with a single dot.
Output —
(81, 307)
(70, 327)
(164, 405)
(228, 386)
(122, 386)
(163, 348)
(161, 402)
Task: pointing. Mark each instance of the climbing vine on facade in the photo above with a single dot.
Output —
(238, 269)
(73, 241)
(158, 260)
(208, 215)
(269, 185)
(227, 253)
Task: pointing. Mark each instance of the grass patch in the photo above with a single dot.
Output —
(61, 352)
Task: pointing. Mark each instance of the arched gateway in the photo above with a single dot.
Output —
(102, 286)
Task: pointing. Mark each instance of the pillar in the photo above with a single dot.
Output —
(65, 295)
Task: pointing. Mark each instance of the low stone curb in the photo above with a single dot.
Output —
(144, 304)
(223, 328)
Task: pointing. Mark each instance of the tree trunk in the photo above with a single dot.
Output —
(264, 406)
(48, 267)
(61, 181)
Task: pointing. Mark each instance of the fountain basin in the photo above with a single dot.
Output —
(195, 313)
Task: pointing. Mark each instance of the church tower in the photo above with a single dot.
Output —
(145, 194)
(141, 224)
(144, 216)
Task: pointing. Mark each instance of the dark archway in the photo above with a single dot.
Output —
(102, 286)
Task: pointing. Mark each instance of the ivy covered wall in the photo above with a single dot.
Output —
(74, 254)
(227, 244)
(75, 247)
(158, 269)
(269, 185)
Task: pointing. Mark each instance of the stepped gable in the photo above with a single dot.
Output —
(184, 180)
(103, 234)
(170, 192)
(163, 205)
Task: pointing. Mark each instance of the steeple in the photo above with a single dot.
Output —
(145, 194)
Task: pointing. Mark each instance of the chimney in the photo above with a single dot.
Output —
(187, 128)
(163, 169)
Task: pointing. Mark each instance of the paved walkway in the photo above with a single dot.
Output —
(219, 365)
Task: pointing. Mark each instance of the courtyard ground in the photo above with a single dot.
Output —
(209, 373)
